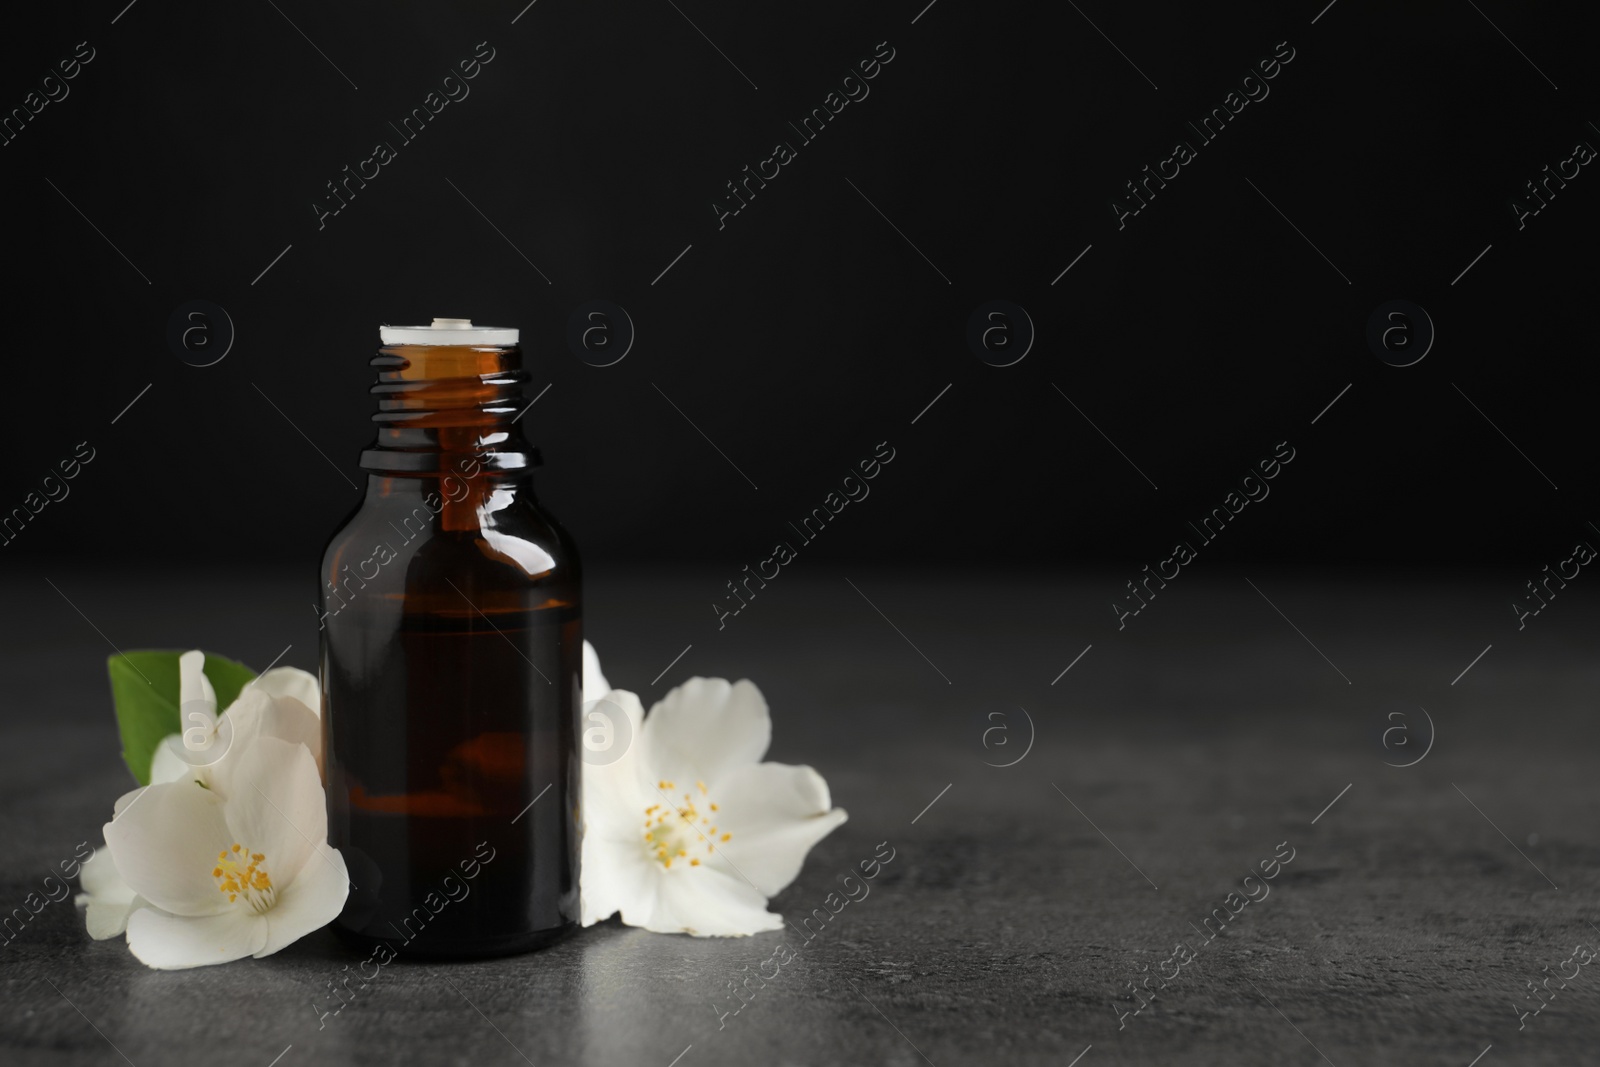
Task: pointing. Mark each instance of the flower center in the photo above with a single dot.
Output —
(242, 873)
(673, 831)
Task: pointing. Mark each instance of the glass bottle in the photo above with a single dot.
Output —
(451, 665)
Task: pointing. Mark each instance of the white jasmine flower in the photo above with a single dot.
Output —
(223, 877)
(688, 831)
(284, 703)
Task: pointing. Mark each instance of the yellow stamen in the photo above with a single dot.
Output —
(671, 829)
(235, 878)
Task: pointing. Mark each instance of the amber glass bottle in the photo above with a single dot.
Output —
(451, 664)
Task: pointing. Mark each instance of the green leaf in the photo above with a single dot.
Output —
(144, 688)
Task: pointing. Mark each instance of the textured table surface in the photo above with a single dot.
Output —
(1236, 713)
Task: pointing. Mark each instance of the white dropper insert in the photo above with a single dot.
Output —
(448, 332)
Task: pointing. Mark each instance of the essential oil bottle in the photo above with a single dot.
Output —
(451, 669)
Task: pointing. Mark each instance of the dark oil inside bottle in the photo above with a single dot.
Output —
(452, 653)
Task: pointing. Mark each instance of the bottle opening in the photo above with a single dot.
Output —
(443, 331)
(448, 392)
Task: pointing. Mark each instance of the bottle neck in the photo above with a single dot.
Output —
(449, 410)
(464, 499)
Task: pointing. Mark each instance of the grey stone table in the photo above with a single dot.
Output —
(1237, 717)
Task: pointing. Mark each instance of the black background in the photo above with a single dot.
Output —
(808, 330)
